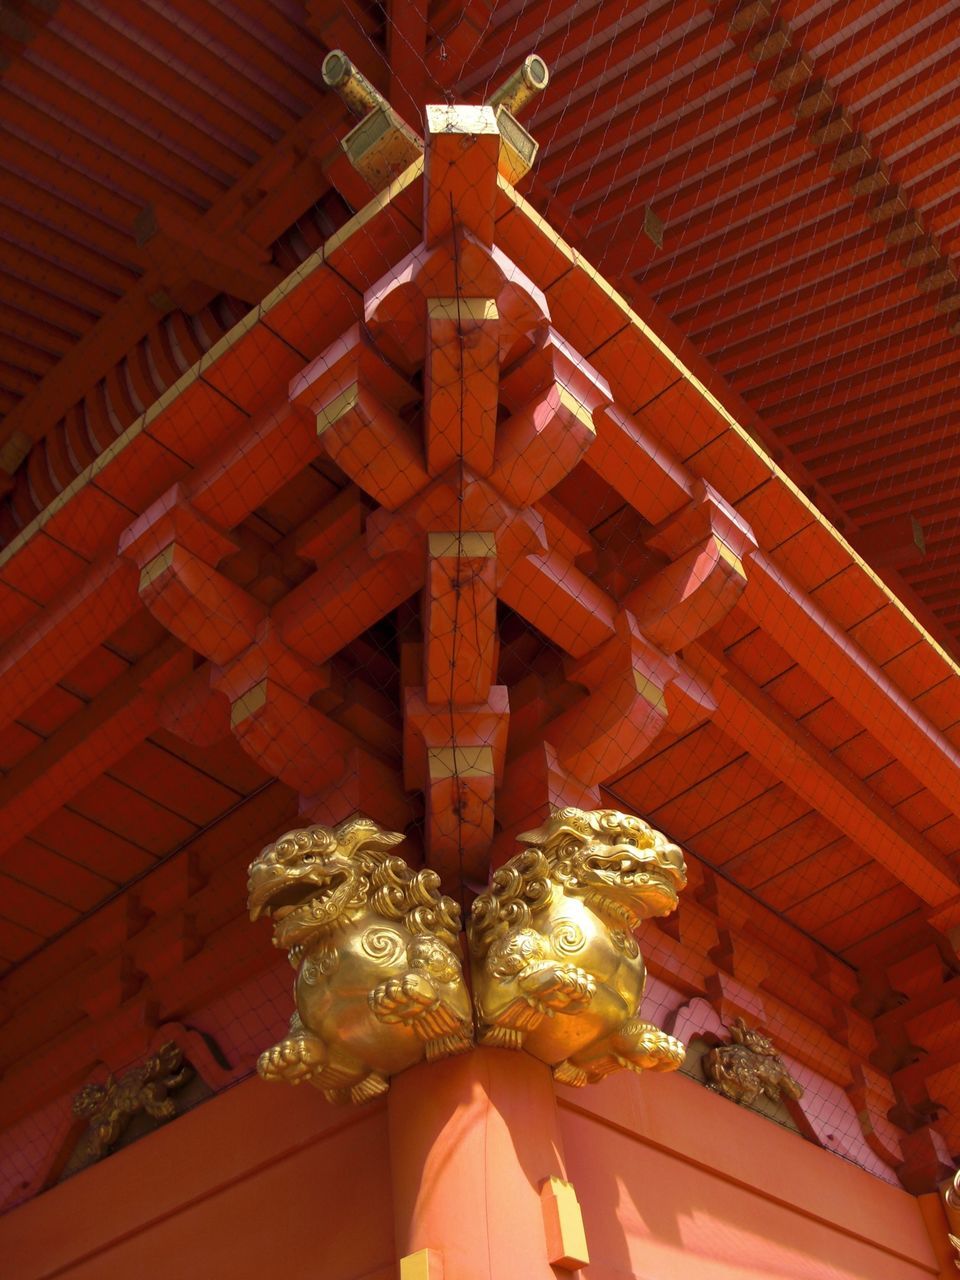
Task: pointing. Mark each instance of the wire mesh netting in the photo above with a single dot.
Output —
(342, 483)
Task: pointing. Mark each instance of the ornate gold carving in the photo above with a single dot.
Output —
(749, 1068)
(556, 968)
(110, 1107)
(951, 1198)
(380, 983)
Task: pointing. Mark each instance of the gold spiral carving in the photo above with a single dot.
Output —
(385, 946)
(567, 937)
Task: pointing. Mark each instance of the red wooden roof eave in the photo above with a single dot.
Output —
(714, 445)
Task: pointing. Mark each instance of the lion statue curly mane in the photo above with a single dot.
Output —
(379, 982)
(557, 970)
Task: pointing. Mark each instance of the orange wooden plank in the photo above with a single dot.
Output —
(670, 769)
(16, 941)
(162, 776)
(809, 877)
(16, 741)
(728, 838)
(50, 711)
(95, 846)
(854, 898)
(126, 813)
(41, 912)
(851, 933)
(710, 799)
(832, 726)
(94, 673)
(807, 834)
(226, 761)
(41, 869)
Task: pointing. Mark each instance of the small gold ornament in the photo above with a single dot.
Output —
(952, 1200)
(556, 967)
(749, 1068)
(380, 983)
(110, 1107)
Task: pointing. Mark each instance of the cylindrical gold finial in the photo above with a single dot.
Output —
(355, 89)
(530, 78)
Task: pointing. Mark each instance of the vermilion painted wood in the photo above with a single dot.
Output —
(232, 490)
(726, 1204)
(849, 50)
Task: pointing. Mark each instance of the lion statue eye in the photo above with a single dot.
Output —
(308, 857)
(630, 840)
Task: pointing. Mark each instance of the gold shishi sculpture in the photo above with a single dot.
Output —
(110, 1107)
(749, 1068)
(380, 983)
(557, 970)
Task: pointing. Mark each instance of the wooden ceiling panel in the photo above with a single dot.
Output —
(51, 711)
(675, 765)
(861, 753)
(808, 833)
(730, 838)
(83, 840)
(945, 834)
(760, 657)
(73, 883)
(831, 725)
(163, 777)
(16, 741)
(719, 793)
(45, 912)
(227, 763)
(847, 889)
(797, 694)
(849, 934)
(16, 942)
(94, 673)
(810, 877)
(923, 811)
(129, 814)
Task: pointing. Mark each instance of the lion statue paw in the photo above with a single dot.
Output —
(296, 1058)
(558, 988)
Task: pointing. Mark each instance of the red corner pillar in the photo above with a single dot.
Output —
(478, 1173)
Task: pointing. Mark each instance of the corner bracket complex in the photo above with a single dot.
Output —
(457, 410)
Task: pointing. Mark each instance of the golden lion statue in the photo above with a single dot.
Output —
(556, 967)
(749, 1068)
(110, 1107)
(380, 983)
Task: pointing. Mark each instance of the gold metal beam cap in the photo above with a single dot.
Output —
(530, 78)
(354, 88)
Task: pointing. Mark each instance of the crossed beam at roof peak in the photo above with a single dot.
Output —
(382, 144)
